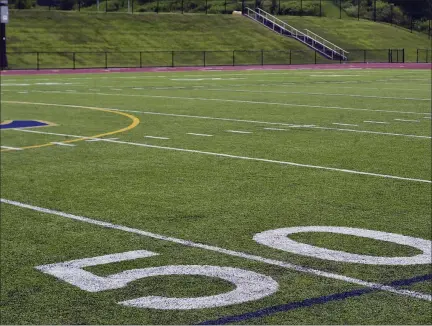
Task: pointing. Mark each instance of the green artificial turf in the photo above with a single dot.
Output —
(219, 190)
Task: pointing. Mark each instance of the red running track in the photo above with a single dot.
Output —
(225, 68)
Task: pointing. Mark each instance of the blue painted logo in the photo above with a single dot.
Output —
(20, 124)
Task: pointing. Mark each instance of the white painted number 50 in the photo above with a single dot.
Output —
(249, 285)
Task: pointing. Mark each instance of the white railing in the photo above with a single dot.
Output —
(297, 34)
(328, 44)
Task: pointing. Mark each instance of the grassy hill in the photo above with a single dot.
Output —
(351, 34)
(56, 30)
(363, 34)
(50, 31)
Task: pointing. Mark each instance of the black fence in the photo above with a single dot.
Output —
(424, 55)
(411, 14)
(80, 60)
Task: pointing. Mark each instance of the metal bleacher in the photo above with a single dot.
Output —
(312, 40)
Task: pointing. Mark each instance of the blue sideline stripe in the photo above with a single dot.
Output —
(309, 302)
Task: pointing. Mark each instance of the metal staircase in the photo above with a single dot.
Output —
(314, 41)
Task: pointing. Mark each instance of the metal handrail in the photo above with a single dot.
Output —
(295, 32)
(325, 41)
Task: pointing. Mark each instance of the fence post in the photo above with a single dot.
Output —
(106, 60)
(140, 59)
(182, 7)
(225, 11)
(73, 60)
(374, 11)
(315, 57)
(417, 56)
(132, 2)
(157, 6)
(403, 55)
(389, 56)
(301, 7)
(279, 8)
(106, 5)
(262, 57)
(79, 5)
(172, 59)
(207, 7)
(364, 55)
(340, 9)
(411, 24)
(204, 58)
(320, 8)
(37, 60)
(233, 57)
(290, 57)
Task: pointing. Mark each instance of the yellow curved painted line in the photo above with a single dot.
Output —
(135, 122)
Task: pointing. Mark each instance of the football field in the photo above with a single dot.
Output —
(217, 197)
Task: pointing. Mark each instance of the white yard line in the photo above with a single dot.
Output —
(156, 137)
(228, 119)
(98, 139)
(378, 122)
(407, 120)
(220, 250)
(275, 129)
(344, 124)
(325, 94)
(387, 176)
(234, 101)
(203, 135)
(63, 144)
(12, 148)
(239, 131)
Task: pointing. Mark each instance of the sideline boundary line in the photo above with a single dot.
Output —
(188, 243)
(387, 176)
(329, 66)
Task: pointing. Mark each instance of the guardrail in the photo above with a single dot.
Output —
(327, 43)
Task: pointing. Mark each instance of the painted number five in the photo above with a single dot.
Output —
(249, 285)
